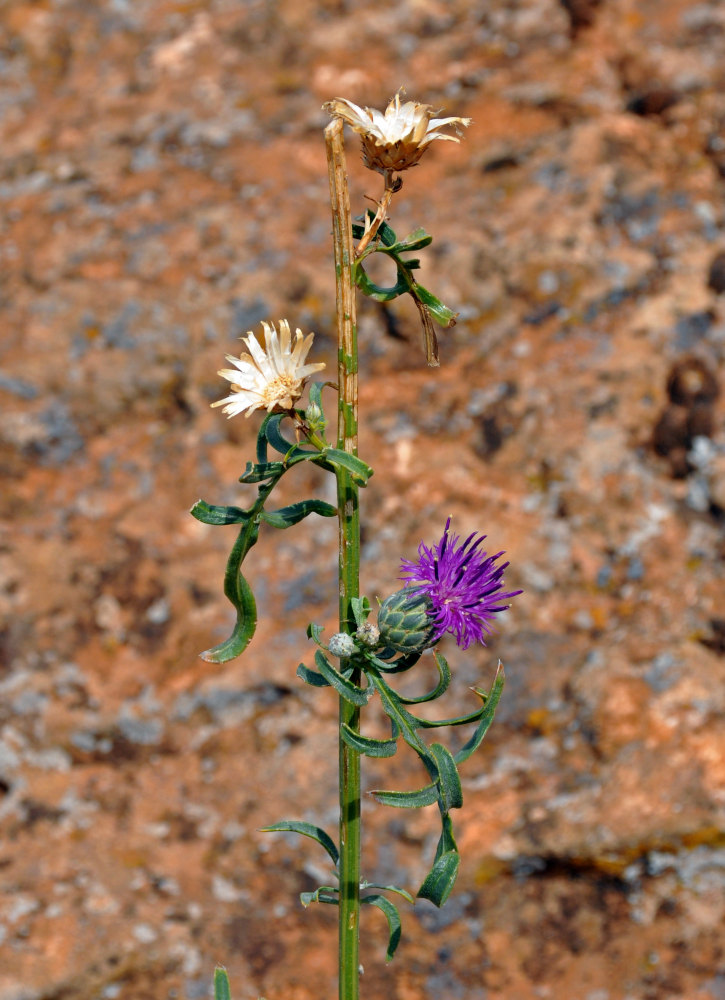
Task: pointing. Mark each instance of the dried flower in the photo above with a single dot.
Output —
(270, 378)
(463, 585)
(397, 138)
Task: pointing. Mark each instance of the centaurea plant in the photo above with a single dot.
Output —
(453, 586)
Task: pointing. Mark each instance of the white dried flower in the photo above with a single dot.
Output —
(270, 378)
(397, 138)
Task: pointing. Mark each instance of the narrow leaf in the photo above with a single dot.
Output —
(366, 745)
(392, 916)
(287, 516)
(446, 841)
(398, 666)
(359, 470)
(448, 778)
(262, 442)
(462, 720)
(444, 674)
(406, 723)
(440, 879)
(315, 393)
(209, 513)
(238, 591)
(222, 989)
(274, 435)
(311, 677)
(486, 717)
(257, 473)
(325, 894)
(388, 888)
(345, 688)
(444, 316)
(416, 240)
(407, 800)
(305, 830)
(315, 632)
(360, 608)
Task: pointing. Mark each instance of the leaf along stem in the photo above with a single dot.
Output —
(349, 559)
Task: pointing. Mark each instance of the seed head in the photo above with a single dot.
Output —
(396, 138)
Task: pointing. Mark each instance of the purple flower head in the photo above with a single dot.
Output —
(463, 585)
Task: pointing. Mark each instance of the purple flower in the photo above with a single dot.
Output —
(463, 585)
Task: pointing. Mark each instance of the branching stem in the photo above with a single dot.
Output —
(391, 186)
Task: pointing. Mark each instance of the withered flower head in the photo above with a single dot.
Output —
(271, 378)
(397, 138)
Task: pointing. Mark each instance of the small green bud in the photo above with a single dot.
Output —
(368, 635)
(341, 645)
(313, 414)
(404, 621)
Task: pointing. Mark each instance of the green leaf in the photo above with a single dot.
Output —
(325, 894)
(366, 745)
(490, 701)
(222, 989)
(444, 316)
(262, 442)
(444, 674)
(209, 513)
(238, 591)
(345, 688)
(360, 609)
(311, 677)
(398, 666)
(449, 779)
(416, 240)
(287, 516)
(388, 888)
(379, 292)
(257, 473)
(306, 830)
(407, 800)
(385, 232)
(446, 841)
(440, 879)
(274, 433)
(315, 632)
(359, 471)
(405, 722)
(392, 916)
(315, 394)
(461, 720)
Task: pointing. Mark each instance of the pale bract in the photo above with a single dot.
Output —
(396, 138)
(268, 378)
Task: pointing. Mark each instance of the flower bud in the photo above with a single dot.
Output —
(368, 635)
(405, 623)
(341, 645)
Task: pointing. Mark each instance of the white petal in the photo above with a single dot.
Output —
(258, 355)
(438, 122)
(306, 370)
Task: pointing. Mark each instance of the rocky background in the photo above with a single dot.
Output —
(163, 188)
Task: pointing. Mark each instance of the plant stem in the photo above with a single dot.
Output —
(349, 559)
(383, 205)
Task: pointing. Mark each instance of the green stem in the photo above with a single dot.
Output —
(349, 560)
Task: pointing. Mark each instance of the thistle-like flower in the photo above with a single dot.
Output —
(463, 585)
(397, 138)
(271, 378)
